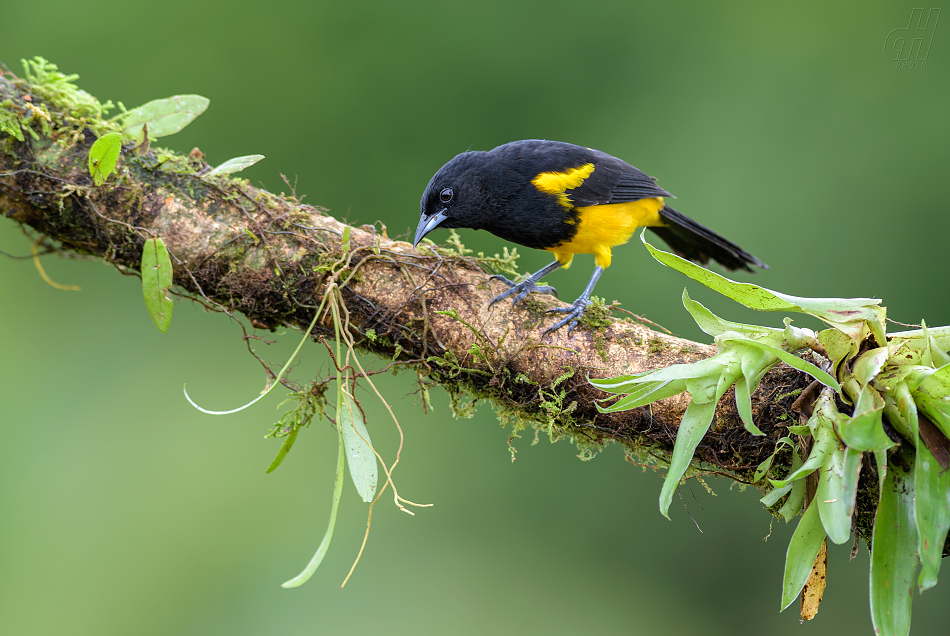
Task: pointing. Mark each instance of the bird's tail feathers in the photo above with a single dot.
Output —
(692, 241)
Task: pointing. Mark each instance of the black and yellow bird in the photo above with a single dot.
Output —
(568, 200)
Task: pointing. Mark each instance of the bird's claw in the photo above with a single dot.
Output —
(522, 290)
(574, 313)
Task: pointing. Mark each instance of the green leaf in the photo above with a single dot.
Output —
(894, 554)
(795, 491)
(836, 492)
(156, 280)
(744, 406)
(933, 397)
(838, 345)
(938, 355)
(163, 116)
(849, 315)
(716, 326)
(796, 498)
(795, 362)
(932, 509)
(695, 423)
(620, 384)
(645, 394)
(800, 557)
(284, 449)
(321, 552)
(103, 156)
(765, 465)
(927, 346)
(776, 493)
(234, 165)
(662, 383)
(825, 443)
(359, 450)
(865, 430)
(900, 409)
(869, 364)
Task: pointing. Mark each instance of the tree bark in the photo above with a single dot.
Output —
(241, 249)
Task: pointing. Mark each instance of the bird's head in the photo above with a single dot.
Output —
(454, 196)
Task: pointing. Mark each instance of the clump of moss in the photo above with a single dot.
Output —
(43, 79)
(505, 263)
(596, 319)
(655, 345)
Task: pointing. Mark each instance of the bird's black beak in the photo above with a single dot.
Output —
(427, 224)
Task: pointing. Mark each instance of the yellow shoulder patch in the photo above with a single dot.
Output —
(559, 182)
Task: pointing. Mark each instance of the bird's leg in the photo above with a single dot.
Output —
(576, 310)
(528, 285)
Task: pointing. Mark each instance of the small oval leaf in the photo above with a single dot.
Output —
(234, 165)
(156, 280)
(163, 116)
(103, 156)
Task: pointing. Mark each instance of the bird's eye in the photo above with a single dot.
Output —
(446, 195)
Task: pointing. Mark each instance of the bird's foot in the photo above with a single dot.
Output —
(522, 289)
(574, 313)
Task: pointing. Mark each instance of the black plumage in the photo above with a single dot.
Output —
(552, 195)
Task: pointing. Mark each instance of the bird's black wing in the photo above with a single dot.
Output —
(614, 181)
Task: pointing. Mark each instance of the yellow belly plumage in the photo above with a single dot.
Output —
(600, 227)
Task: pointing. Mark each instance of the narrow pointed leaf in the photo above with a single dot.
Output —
(284, 449)
(744, 406)
(620, 384)
(324, 546)
(800, 557)
(796, 363)
(156, 281)
(825, 444)
(716, 326)
(234, 165)
(652, 393)
(894, 554)
(901, 410)
(103, 156)
(932, 510)
(695, 423)
(847, 314)
(359, 451)
(775, 494)
(763, 468)
(836, 492)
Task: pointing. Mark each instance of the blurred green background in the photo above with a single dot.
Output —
(125, 511)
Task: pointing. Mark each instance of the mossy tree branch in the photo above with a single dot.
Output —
(237, 248)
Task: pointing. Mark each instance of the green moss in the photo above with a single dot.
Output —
(596, 319)
(506, 263)
(655, 345)
(783, 396)
(77, 108)
(10, 120)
